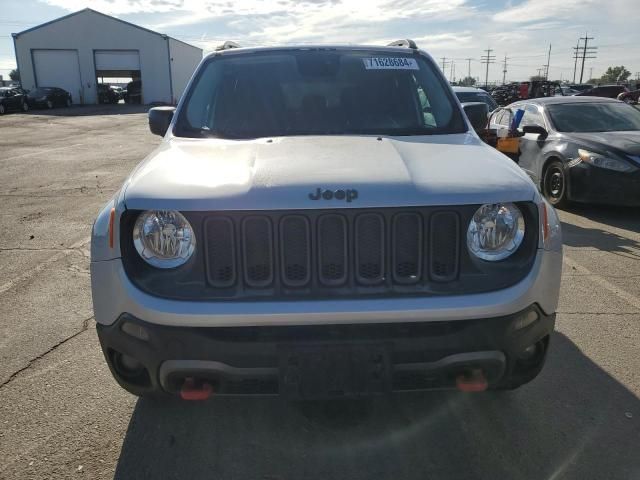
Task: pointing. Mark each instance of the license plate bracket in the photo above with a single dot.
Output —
(329, 371)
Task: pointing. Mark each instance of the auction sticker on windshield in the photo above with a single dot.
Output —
(390, 63)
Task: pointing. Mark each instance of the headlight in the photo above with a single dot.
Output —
(495, 231)
(598, 160)
(164, 238)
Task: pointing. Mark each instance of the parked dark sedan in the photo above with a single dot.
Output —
(49, 97)
(582, 149)
(607, 91)
(12, 99)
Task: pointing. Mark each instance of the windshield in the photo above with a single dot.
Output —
(466, 97)
(594, 117)
(318, 93)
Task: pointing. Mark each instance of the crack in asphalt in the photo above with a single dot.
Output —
(40, 249)
(85, 326)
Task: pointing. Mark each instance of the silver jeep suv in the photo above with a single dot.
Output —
(323, 222)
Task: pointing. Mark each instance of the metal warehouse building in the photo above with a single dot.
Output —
(76, 51)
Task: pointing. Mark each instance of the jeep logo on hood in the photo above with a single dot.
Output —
(348, 195)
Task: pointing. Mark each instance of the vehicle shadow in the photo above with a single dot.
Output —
(85, 110)
(573, 422)
(627, 219)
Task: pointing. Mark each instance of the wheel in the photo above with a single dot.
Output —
(554, 185)
(25, 107)
(3, 110)
(68, 102)
(628, 100)
(49, 104)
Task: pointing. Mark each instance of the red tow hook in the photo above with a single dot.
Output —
(473, 381)
(191, 391)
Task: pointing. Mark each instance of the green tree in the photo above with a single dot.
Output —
(615, 74)
(468, 82)
(14, 75)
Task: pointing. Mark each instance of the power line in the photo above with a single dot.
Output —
(487, 60)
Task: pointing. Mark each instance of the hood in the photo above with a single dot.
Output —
(624, 142)
(281, 173)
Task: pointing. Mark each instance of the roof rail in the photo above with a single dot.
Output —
(227, 46)
(407, 42)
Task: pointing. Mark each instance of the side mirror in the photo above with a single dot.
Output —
(477, 113)
(535, 130)
(160, 119)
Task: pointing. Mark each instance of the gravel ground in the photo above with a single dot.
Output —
(63, 416)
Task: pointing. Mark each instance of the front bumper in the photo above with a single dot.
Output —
(589, 184)
(249, 360)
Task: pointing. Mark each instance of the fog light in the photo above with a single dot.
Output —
(526, 319)
(127, 366)
(136, 331)
(529, 352)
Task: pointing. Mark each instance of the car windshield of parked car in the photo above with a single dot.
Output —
(318, 93)
(594, 117)
(466, 97)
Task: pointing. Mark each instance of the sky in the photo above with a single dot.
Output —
(521, 30)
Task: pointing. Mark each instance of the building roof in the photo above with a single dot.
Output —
(85, 10)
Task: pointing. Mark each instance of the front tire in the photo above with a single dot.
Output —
(628, 100)
(554, 184)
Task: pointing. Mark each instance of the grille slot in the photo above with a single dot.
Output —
(295, 250)
(257, 242)
(407, 248)
(220, 252)
(332, 250)
(444, 246)
(369, 248)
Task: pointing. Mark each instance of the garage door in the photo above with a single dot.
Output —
(58, 68)
(117, 60)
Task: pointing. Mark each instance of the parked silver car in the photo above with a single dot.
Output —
(323, 222)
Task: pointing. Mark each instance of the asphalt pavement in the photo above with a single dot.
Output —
(63, 416)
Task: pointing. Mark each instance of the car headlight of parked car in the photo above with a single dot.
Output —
(164, 238)
(602, 161)
(495, 231)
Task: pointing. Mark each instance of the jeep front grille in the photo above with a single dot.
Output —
(329, 250)
(336, 253)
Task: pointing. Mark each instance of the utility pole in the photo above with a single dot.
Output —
(575, 60)
(487, 59)
(540, 70)
(504, 70)
(469, 70)
(546, 71)
(586, 50)
(590, 73)
(444, 64)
